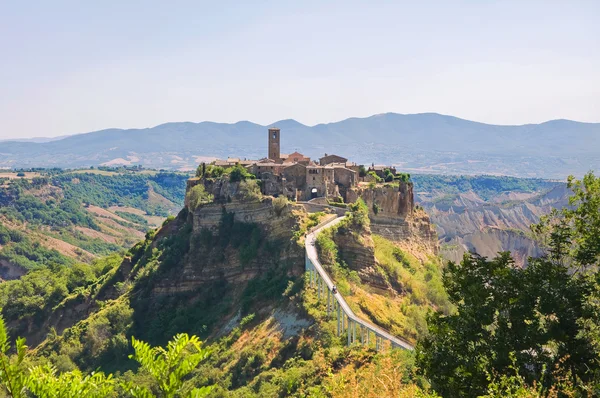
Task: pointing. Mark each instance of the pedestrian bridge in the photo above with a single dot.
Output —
(359, 330)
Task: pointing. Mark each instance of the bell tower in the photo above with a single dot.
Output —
(274, 148)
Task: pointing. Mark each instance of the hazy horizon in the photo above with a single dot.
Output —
(274, 122)
(76, 68)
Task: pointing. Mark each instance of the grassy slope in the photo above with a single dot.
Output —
(279, 342)
(63, 217)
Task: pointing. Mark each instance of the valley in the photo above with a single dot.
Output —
(110, 254)
(72, 216)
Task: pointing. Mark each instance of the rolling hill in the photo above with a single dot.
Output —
(425, 143)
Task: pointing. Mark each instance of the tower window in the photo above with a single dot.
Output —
(274, 135)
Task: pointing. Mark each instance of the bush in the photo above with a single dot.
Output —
(239, 173)
(249, 191)
(279, 204)
(375, 177)
(362, 172)
(197, 196)
(376, 208)
(404, 177)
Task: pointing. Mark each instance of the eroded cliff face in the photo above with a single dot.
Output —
(208, 260)
(394, 216)
(10, 271)
(357, 250)
(489, 242)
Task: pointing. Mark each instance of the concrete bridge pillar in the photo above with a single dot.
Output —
(349, 333)
(339, 319)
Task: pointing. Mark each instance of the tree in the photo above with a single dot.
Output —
(540, 322)
(362, 171)
(168, 366)
(197, 196)
(374, 176)
(171, 365)
(404, 177)
(12, 372)
(249, 191)
(239, 173)
(43, 381)
(388, 175)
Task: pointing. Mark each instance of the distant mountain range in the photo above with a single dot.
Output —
(426, 143)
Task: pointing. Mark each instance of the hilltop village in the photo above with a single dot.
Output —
(299, 178)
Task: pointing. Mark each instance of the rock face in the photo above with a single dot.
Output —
(396, 202)
(207, 264)
(502, 223)
(358, 251)
(489, 241)
(9, 271)
(393, 215)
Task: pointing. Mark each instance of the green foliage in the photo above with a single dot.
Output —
(212, 172)
(374, 176)
(170, 366)
(533, 313)
(249, 191)
(122, 189)
(31, 255)
(12, 372)
(37, 292)
(358, 216)
(484, 186)
(404, 177)
(279, 204)
(36, 212)
(46, 382)
(198, 196)
(239, 173)
(8, 235)
(388, 176)
(135, 218)
(362, 171)
(376, 208)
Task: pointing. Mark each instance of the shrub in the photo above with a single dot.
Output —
(279, 204)
(239, 173)
(375, 177)
(376, 208)
(197, 196)
(362, 172)
(249, 191)
(404, 177)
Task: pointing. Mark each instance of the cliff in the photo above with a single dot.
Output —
(394, 216)
(357, 250)
(221, 232)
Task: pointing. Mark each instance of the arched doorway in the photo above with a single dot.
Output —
(313, 193)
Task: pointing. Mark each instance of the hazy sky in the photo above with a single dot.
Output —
(76, 66)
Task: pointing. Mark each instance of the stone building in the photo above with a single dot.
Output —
(297, 157)
(274, 147)
(328, 159)
(380, 169)
(295, 175)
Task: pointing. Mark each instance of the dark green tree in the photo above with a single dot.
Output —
(542, 320)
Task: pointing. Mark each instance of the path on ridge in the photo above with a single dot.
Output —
(312, 258)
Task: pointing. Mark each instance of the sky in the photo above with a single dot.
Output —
(70, 67)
